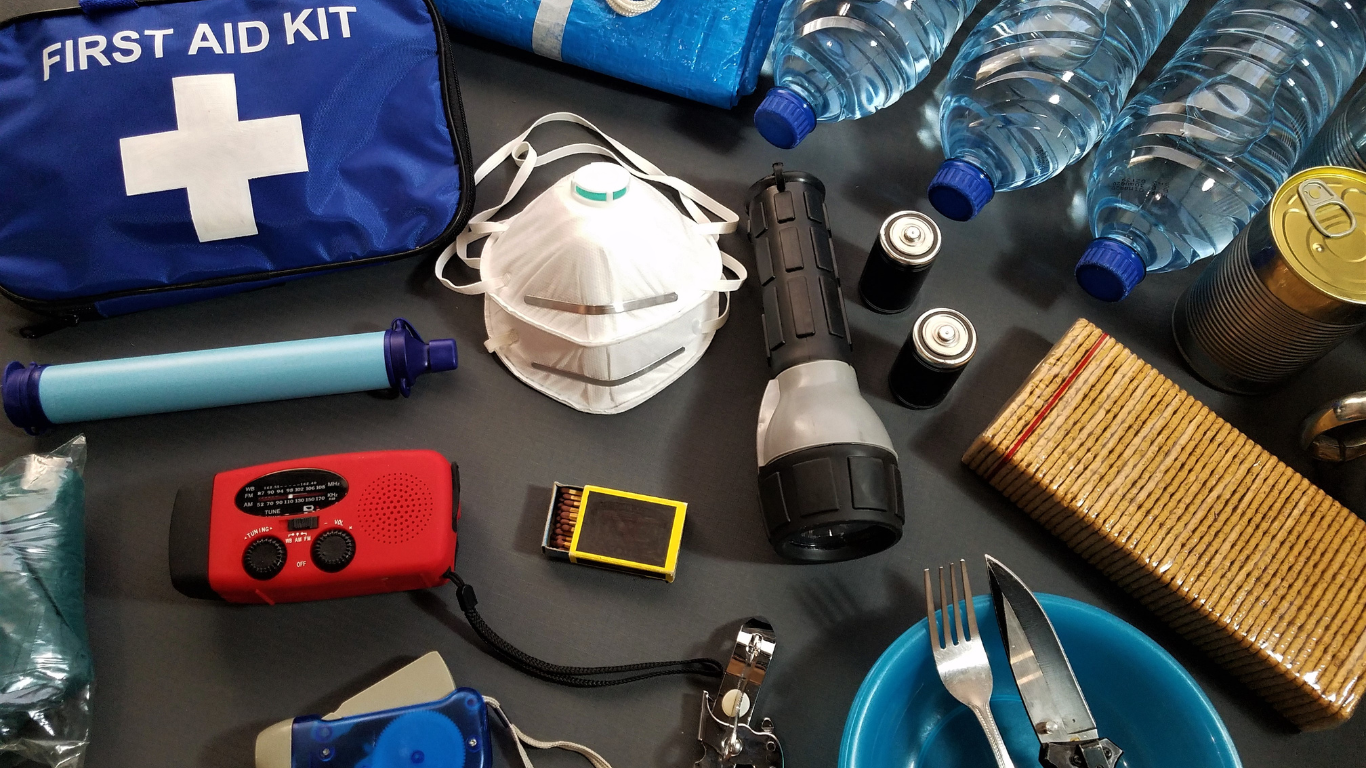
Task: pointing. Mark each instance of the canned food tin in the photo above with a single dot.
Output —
(907, 243)
(933, 357)
(1286, 291)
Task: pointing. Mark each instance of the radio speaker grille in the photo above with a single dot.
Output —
(395, 508)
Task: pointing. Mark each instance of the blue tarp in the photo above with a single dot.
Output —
(706, 50)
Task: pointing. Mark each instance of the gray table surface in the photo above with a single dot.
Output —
(187, 683)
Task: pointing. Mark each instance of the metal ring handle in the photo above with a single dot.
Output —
(1314, 436)
(1315, 195)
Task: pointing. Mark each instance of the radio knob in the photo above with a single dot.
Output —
(333, 550)
(264, 558)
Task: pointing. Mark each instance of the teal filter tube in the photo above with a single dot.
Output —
(41, 395)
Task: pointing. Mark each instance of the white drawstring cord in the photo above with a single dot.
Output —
(632, 7)
(521, 738)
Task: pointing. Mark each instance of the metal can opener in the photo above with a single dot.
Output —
(727, 737)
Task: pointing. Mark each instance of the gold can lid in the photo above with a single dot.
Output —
(1318, 221)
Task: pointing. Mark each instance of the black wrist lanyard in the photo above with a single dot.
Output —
(574, 677)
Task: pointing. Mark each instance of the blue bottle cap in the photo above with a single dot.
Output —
(960, 189)
(1109, 269)
(407, 356)
(784, 118)
(20, 392)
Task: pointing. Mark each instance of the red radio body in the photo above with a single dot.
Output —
(318, 528)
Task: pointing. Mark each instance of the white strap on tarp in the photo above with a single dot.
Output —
(547, 31)
(521, 738)
(527, 159)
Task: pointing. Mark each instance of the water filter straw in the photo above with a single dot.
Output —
(1034, 87)
(41, 395)
(1194, 156)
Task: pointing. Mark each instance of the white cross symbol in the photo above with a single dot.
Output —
(212, 155)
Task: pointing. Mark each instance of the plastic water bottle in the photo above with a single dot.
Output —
(1034, 87)
(846, 59)
(1342, 141)
(1194, 156)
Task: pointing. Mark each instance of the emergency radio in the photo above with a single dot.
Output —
(313, 529)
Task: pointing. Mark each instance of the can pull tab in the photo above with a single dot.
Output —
(1318, 197)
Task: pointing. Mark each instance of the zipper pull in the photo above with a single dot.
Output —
(38, 330)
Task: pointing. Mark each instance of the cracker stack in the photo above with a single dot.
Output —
(1235, 550)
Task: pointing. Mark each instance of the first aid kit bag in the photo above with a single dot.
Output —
(171, 151)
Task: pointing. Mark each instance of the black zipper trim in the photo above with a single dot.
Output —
(52, 325)
(72, 311)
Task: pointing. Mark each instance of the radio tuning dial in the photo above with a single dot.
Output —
(264, 558)
(333, 550)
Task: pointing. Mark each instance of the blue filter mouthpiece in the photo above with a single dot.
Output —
(784, 118)
(407, 356)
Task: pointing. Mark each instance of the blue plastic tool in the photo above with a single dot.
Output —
(1140, 697)
(41, 395)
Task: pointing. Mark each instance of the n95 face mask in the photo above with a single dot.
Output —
(601, 292)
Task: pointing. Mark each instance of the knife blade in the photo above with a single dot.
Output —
(1048, 687)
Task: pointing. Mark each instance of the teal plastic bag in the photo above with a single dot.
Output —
(45, 670)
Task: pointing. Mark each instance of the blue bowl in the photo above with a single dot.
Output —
(1143, 700)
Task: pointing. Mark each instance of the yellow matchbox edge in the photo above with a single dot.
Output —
(675, 536)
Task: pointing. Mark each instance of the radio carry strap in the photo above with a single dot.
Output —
(574, 677)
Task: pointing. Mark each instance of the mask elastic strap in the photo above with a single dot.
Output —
(688, 195)
(598, 761)
(724, 287)
(713, 325)
(524, 155)
(474, 231)
(629, 159)
(479, 225)
(641, 168)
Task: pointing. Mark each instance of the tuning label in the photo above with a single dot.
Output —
(291, 492)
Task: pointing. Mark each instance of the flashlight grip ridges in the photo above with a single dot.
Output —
(795, 263)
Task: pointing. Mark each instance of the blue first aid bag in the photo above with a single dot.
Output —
(166, 152)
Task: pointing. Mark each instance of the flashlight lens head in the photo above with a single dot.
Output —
(832, 502)
(841, 541)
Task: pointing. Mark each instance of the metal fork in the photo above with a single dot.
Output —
(962, 659)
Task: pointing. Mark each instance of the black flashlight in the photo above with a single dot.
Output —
(829, 483)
